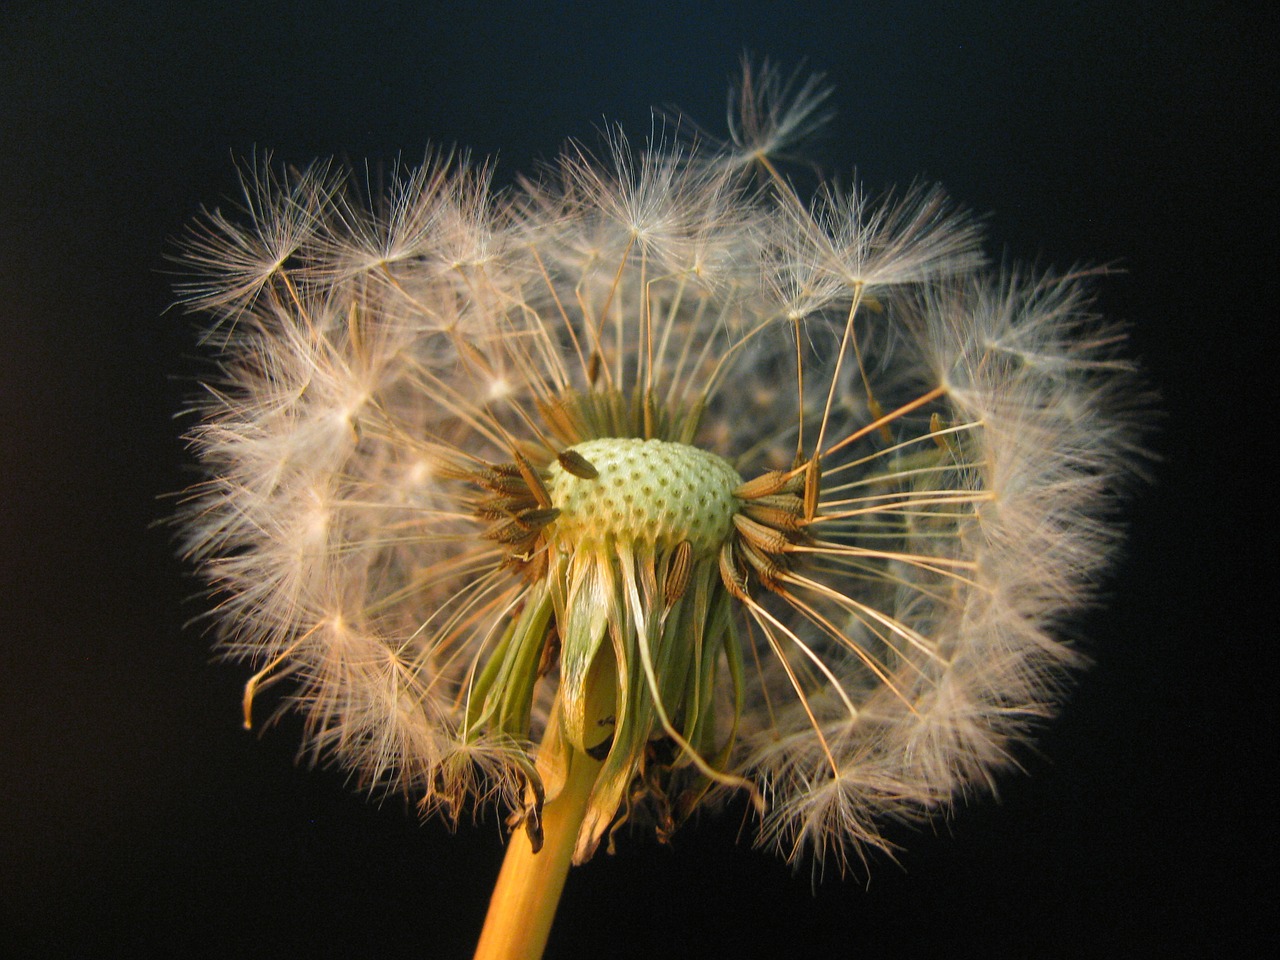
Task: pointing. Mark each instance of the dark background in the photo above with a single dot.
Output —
(136, 817)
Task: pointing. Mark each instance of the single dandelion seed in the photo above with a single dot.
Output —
(647, 484)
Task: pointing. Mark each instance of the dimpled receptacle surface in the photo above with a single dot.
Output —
(647, 491)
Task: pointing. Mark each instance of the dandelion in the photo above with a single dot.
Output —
(645, 484)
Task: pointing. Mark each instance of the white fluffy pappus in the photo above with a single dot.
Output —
(650, 465)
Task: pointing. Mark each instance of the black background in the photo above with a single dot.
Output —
(139, 820)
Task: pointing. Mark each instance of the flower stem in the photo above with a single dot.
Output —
(524, 899)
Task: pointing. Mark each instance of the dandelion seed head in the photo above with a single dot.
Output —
(650, 462)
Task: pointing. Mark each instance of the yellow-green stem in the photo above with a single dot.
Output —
(524, 900)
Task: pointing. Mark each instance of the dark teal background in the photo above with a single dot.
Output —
(138, 820)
